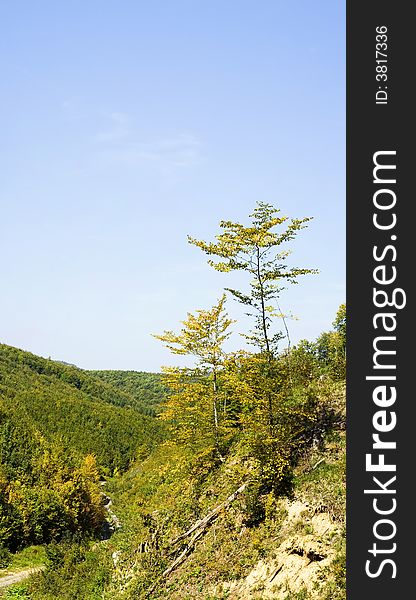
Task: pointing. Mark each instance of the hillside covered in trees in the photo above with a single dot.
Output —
(60, 430)
(146, 391)
(236, 488)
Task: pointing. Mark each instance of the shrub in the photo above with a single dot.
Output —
(5, 557)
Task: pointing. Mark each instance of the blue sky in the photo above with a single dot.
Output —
(127, 125)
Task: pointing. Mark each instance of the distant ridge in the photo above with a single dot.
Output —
(40, 396)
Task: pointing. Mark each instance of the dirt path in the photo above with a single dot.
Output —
(18, 577)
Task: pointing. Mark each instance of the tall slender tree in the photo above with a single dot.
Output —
(260, 250)
(256, 250)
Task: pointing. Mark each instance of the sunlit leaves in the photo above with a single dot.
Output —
(197, 408)
(256, 250)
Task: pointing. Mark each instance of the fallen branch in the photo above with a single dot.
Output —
(317, 464)
(211, 515)
(198, 529)
(184, 553)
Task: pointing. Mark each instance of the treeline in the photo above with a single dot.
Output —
(114, 387)
(66, 403)
(60, 430)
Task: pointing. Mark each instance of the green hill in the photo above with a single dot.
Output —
(64, 403)
(61, 431)
(146, 391)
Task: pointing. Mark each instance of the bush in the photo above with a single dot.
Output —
(18, 592)
(73, 572)
(5, 557)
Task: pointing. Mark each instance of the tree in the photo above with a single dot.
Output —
(340, 324)
(201, 336)
(331, 346)
(272, 418)
(255, 249)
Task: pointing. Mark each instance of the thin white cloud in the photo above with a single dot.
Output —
(117, 128)
(178, 152)
(117, 143)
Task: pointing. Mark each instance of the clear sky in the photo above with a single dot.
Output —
(124, 126)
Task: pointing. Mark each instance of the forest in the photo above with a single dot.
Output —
(228, 476)
(60, 431)
(146, 390)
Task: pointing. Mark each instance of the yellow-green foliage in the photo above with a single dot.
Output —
(65, 498)
(74, 571)
(260, 250)
(140, 390)
(197, 407)
(59, 429)
(163, 496)
(65, 404)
